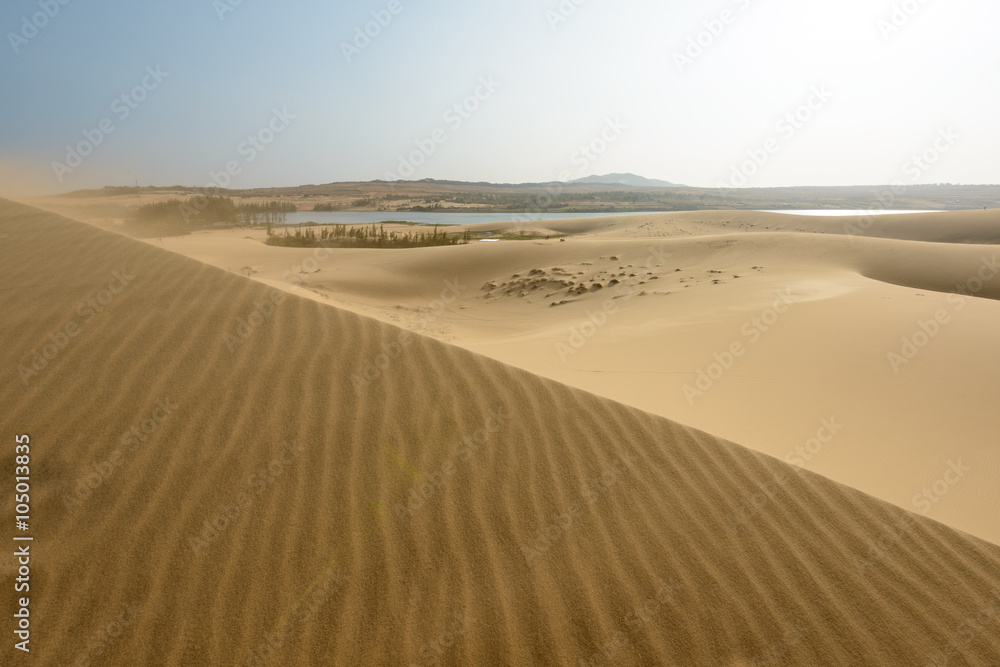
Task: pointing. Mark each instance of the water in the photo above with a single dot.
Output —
(858, 212)
(365, 217)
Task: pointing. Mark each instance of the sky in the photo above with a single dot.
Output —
(728, 93)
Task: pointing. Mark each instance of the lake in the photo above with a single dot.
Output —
(365, 217)
(828, 212)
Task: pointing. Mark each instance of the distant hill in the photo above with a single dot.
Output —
(594, 194)
(627, 179)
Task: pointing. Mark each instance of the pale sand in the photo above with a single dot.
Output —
(578, 529)
(899, 422)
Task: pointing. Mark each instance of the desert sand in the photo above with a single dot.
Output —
(226, 472)
(846, 368)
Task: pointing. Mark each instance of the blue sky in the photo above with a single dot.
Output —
(777, 92)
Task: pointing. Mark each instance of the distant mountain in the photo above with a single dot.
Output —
(626, 179)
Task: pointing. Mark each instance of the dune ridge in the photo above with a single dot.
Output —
(310, 486)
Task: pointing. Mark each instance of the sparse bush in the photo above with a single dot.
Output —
(341, 236)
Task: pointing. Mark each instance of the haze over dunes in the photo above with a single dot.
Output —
(286, 508)
(592, 194)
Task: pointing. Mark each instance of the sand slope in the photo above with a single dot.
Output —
(689, 286)
(447, 509)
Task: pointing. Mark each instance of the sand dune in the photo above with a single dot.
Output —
(975, 227)
(852, 347)
(310, 486)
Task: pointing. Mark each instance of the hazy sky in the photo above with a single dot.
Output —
(831, 93)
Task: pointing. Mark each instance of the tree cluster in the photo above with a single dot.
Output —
(176, 217)
(342, 236)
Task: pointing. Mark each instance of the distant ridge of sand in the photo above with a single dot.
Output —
(278, 505)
